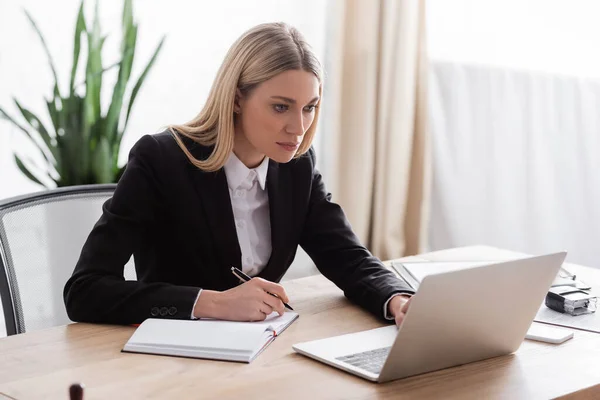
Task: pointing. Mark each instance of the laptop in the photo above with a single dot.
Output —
(455, 318)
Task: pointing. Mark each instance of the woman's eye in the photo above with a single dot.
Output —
(280, 108)
(310, 108)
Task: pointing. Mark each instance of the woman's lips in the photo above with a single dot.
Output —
(289, 146)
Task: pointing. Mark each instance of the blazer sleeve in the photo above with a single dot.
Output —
(97, 290)
(328, 239)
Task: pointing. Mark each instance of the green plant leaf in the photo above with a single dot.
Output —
(80, 27)
(138, 85)
(116, 64)
(102, 162)
(26, 171)
(94, 77)
(93, 80)
(36, 124)
(50, 60)
(36, 143)
(96, 58)
(73, 146)
(85, 144)
(6, 116)
(53, 115)
(127, 51)
(127, 19)
(92, 103)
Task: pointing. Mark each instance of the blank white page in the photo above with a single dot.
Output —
(199, 334)
(208, 333)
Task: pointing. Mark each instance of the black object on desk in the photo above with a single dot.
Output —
(570, 300)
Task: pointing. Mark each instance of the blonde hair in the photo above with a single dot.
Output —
(257, 56)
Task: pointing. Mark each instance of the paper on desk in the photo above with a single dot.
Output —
(586, 322)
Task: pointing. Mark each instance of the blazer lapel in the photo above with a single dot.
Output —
(280, 210)
(214, 194)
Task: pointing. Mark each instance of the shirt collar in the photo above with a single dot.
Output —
(237, 172)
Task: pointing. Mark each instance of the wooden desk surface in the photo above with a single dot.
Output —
(43, 364)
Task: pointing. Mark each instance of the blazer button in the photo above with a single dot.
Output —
(154, 311)
(172, 311)
(164, 311)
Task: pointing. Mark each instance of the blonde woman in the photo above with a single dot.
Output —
(236, 186)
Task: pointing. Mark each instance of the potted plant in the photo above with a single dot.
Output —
(82, 145)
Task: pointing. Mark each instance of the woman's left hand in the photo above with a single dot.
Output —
(399, 306)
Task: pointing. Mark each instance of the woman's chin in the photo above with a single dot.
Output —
(282, 157)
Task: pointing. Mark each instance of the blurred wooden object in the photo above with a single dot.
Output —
(76, 391)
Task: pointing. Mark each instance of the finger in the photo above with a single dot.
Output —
(259, 316)
(275, 303)
(265, 308)
(261, 312)
(274, 288)
(404, 308)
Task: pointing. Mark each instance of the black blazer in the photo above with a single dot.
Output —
(178, 223)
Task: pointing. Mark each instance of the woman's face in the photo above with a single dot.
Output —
(273, 118)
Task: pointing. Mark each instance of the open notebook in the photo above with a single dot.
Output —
(214, 339)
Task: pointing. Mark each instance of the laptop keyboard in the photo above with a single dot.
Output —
(371, 360)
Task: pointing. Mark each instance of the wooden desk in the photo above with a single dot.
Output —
(43, 364)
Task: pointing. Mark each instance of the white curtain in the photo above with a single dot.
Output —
(379, 166)
(516, 160)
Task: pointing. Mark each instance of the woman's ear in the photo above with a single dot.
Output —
(237, 104)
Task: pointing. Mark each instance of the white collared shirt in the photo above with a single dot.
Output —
(250, 204)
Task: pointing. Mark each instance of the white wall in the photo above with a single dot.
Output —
(543, 35)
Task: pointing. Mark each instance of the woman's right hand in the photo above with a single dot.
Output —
(246, 302)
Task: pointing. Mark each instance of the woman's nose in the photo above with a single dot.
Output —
(295, 125)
